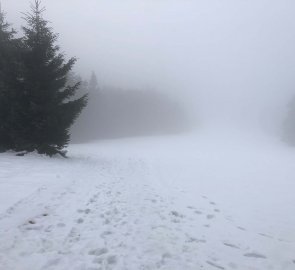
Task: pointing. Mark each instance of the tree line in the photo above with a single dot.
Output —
(114, 113)
(37, 105)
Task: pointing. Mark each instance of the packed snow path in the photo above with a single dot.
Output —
(131, 213)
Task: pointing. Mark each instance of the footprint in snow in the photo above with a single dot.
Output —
(210, 216)
(32, 225)
(255, 255)
(98, 260)
(198, 212)
(176, 214)
(112, 259)
(162, 262)
(35, 228)
(86, 211)
(52, 262)
(106, 221)
(175, 220)
(48, 228)
(231, 245)
(106, 233)
(32, 222)
(195, 240)
(241, 228)
(191, 207)
(266, 235)
(166, 256)
(215, 265)
(98, 251)
(74, 235)
(80, 220)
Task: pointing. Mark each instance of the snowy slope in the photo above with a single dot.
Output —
(187, 202)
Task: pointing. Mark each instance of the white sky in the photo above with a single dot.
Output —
(234, 58)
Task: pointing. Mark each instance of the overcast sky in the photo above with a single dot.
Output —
(234, 58)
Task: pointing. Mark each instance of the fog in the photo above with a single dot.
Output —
(230, 62)
(182, 158)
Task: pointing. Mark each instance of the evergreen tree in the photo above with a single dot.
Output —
(93, 84)
(48, 108)
(10, 80)
(73, 78)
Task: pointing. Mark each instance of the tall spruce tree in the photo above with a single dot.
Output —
(48, 107)
(5, 37)
(10, 77)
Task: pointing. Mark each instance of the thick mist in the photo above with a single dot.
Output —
(230, 62)
(182, 158)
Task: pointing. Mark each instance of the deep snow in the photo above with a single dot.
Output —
(206, 201)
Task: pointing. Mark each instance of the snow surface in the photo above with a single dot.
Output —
(175, 203)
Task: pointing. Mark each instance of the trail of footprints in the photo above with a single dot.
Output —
(208, 220)
(209, 217)
(103, 258)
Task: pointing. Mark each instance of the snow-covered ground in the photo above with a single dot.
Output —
(206, 201)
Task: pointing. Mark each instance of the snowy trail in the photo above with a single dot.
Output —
(128, 213)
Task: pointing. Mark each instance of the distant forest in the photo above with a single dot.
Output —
(118, 113)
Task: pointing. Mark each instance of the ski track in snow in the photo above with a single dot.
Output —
(113, 214)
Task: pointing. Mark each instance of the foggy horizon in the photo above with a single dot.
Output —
(229, 61)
